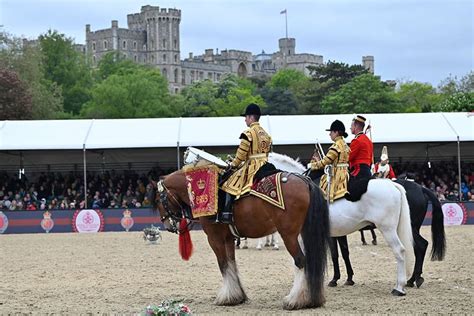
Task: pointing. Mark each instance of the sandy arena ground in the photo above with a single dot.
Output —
(120, 273)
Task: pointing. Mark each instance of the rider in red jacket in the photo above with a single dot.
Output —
(360, 158)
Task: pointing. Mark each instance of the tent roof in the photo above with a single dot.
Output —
(224, 131)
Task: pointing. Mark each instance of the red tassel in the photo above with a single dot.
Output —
(185, 242)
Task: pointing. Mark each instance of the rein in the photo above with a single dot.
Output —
(164, 198)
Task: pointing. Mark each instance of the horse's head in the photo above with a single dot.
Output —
(171, 199)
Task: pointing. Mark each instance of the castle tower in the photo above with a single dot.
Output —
(368, 63)
(163, 42)
(287, 46)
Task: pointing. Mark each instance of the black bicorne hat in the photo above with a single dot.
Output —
(252, 109)
(338, 126)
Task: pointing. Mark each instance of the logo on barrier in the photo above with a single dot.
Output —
(87, 221)
(127, 220)
(454, 214)
(47, 222)
(3, 222)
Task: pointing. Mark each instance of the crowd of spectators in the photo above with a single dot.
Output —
(442, 178)
(128, 189)
(110, 189)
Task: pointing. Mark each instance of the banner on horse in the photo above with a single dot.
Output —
(202, 189)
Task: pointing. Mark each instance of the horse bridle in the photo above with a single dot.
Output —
(164, 195)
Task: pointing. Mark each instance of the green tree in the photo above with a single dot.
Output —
(67, 68)
(456, 94)
(141, 93)
(15, 99)
(114, 63)
(325, 79)
(228, 97)
(417, 97)
(364, 94)
(287, 79)
(279, 101)
(457, 102)
(26, 60)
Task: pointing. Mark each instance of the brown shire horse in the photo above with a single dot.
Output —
(303, 226)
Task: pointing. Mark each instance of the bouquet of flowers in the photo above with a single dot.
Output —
(168, 308)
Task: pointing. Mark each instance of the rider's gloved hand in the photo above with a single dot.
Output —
(309, 166)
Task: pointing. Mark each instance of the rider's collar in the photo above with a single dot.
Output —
(338, 138)
(254, 123)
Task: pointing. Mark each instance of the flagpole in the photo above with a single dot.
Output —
(286, 23)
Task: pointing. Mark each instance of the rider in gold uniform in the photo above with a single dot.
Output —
(338, 157)
(255, 144)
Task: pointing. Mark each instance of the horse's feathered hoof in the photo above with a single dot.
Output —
(419, 282)
(396, 292)
(349, 282)
(374, 242)
(364, 243)
(332, 283)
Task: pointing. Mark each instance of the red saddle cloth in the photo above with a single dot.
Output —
(269, 189)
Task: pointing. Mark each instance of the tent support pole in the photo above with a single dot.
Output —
(177, 156)
(85, 173)
(459, 170)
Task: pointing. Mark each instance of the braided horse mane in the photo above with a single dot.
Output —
(286, 163)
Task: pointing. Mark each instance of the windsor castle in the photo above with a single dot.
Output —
(153, 38)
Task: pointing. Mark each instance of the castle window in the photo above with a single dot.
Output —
(183, 77)
(93, 46)
(176, 90)
(105, 44)
(165, 73)
(164, 43)
(124, 44)
(192, 76)
(135, 45)
(164, 58)
(135, 58)
(176, 58)
(209, 75)
(93, 59)
(175, 44)
(124, 56)
(201, 75)
(152, 59)
(289, 52)
(152, 45)
(218, 77)
(176, 75)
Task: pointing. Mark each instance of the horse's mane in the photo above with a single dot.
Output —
(286, 163)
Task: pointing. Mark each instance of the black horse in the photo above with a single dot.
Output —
(418, 198)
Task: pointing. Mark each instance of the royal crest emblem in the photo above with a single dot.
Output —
(47, 222)
(127, 220)
(3, 222)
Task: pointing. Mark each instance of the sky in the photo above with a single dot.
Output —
(411, 40)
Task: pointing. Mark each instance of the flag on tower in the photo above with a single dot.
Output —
(283, 12)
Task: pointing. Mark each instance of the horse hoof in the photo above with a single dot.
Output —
(410, 284)
(332, 283)
(245, 247)
(419, 282)
(349, 282)
(276, 248)
(364, 243)
(396, 292)
(374, 242)
(237, 247)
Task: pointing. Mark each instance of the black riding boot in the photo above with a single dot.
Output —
(226, 216)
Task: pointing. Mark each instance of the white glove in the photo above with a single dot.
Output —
(309, 166)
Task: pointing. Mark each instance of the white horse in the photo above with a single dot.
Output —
(384, 204)
(267, 241)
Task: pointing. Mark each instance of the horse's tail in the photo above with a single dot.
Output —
(315, 236)
(438, 249)
(404, 230)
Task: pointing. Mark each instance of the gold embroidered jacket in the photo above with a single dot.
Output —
(338, 157)
(255, 144)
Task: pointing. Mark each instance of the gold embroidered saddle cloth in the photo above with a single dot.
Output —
(269, 189)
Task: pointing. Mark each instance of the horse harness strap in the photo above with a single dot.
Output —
(164, 193)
